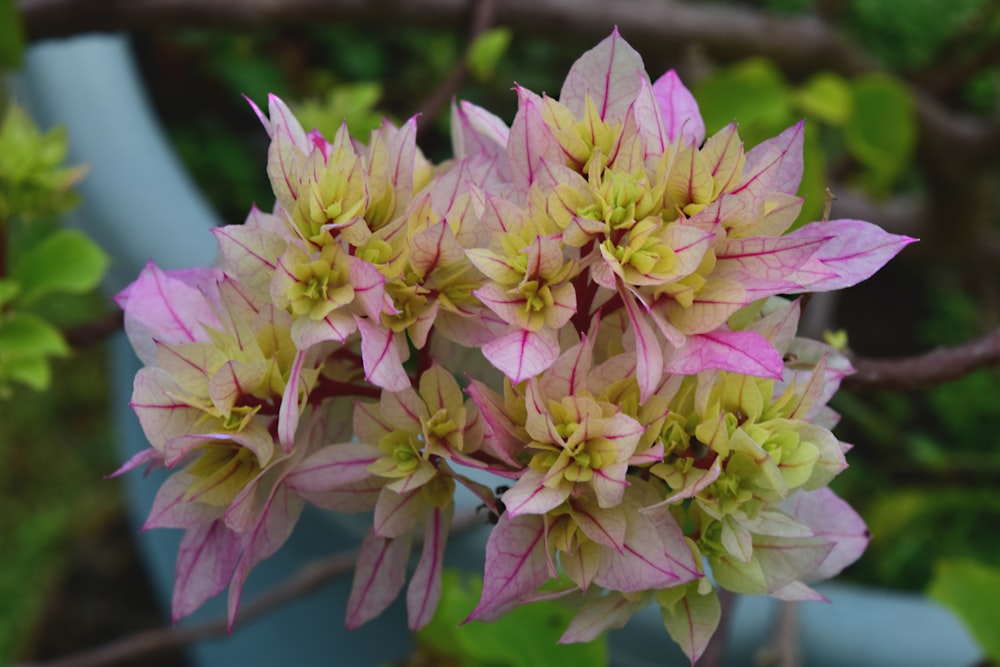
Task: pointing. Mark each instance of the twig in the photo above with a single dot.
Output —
(95, 330)
(935, 367)
(783, 651)
(798, 44)
(482, 18)
(308, 579)
(715, 652)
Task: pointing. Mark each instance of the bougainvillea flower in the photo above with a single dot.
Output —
(610, 281)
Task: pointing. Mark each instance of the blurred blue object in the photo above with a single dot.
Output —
(139, 204)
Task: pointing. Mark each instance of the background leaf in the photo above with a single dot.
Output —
(66, 261)
(882, 131)
(528, 635)
(972, 591)
(826, 96)
(25, 342)
(11, 35)
(486, 51)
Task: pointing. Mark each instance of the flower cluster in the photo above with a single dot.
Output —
(611, 287)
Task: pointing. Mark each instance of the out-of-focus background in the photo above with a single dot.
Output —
(902, 107)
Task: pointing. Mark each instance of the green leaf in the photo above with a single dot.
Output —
(23, 336)
(8, 290)
(33, 372)
(690, 617)
(536, 627)
(66, 261)
(11, 35)
(25, 342)
(827, 97)
(352, 103)
(814, 177)
(882, 132)
(972, 591)
(486, 51)
(753, 93)
(32, 182)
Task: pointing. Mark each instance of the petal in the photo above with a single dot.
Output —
(381, 357)
(611, 74)
(788, 147)
(378, 577)
(744, 352)
(205, 562)
(681, 117)
(855, 250)
(516, 564)
(424, 591)
(333, 466)
(522, 354)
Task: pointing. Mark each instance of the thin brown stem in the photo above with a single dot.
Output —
(715, 652)
(936, 367)
(310, 578)
(96, 330)
(437, 101)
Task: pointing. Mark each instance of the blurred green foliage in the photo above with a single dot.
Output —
(972, 591)
(868, 120)
(55, 451)
(37, 260)
(528, 635)
(11, 35)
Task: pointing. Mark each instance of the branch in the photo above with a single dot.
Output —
(311, 577)
(95, 330)
(482, 19)
(936, 367)
(715, 653)
(799, 45)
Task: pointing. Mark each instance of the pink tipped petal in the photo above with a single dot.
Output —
(369, 287)
(531, 141)
(648, 353)
(476, 130)
(681, 117)
(764, 265)
(611, 74)
(381, 357)
(789, 150)
(171, 509)
(855, 250)
(692, 620)
(603, 526)
(744, 352)
(274, 526)
(251, 254)
(522, 354)
(149, 457)
(284, 122)
(164, 306)
(516, 564)
(403, 410)
(599, 615)
(530, 496)
(378, 577)
(333, 466)
(642, 565)
(424, 591)
(205, 561)
(832, 519)
(396, 513)
(294, 398)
